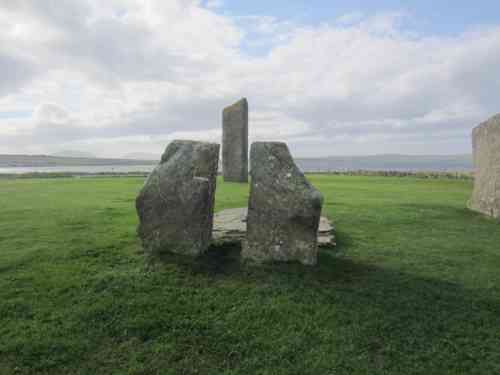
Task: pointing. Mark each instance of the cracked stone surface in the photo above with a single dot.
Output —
(235, 142)
(176, 204)
(284, 209)
(230, 226)
(486, 149)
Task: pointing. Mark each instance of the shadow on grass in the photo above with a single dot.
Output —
(388, 318)
(23, 262)
(333, 269)
(217, 260)
(343, 241)
(225, 259)
(342, 315)
(447, 210)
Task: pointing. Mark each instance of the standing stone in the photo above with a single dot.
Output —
(486, 149)
(283, 210)
(235, 142)
(176, 203)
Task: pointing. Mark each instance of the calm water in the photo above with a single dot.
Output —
(307, 165)
(80, 169)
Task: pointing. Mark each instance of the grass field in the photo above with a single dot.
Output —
(413, 287)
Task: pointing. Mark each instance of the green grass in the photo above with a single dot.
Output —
(413, 287)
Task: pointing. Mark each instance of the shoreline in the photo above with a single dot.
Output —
(455, 175)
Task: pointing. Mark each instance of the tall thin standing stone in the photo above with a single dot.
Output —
(486, 148)
(235, 142)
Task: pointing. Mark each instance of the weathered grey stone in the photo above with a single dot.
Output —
(326, 233)
(230, 226)
(283, 209)
(176, 203)
(486, 148)
(235, 142)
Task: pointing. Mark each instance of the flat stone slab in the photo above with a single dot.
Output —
(230, 226)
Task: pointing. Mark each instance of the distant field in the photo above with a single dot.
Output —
(413, 287)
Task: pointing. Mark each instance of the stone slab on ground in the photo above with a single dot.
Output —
(230, 226)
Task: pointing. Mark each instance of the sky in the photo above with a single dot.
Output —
(329, 77)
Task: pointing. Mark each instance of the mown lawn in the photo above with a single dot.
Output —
(413, 287)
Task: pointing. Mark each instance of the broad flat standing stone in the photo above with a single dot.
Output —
(235, 142)
(284, 209)
(486, 149)
(176, 203)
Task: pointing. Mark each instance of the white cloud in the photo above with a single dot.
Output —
(214, 4)
(132, 75)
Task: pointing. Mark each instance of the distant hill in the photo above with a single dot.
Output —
(12, 161)
(74, 154)
(141, 156)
